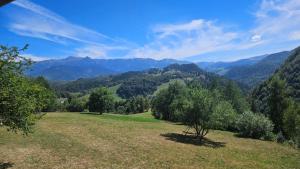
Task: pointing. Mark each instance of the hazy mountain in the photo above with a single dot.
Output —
(72, 68)
(249, 72)
(222, 67)
(252, 75)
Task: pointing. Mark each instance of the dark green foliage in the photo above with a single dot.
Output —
(133, 105)
(135, 87)
(291, 122)
(101, 101)
(223, 116)
(17, 104)
(47, 94)
(20, 98)
(76, 105)
(168, 102)
(277, 102)
(198, 111)
(254, 125)
(233, 94)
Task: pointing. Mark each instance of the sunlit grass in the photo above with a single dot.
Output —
(74, 140)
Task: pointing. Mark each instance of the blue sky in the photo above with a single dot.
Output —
(194, 30)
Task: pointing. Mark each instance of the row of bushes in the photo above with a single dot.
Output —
(206, 109)
(102, 100)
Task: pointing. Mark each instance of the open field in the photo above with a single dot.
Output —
(73, 140)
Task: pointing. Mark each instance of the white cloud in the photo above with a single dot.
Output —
(96, 51)
(188, 39)
(276, 22)
(278, 19)
(35, 58)
(255, 38)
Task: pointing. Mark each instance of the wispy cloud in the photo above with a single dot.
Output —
(39, 22)
(43, 23)
(97, 51)
(187, 39)
(277, 22)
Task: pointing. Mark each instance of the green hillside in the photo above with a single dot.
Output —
(144, 83)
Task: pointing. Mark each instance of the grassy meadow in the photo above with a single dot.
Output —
(74, 140)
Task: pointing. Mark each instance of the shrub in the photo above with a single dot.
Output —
(133, 105)
(76, 105)
(254, 125)
(280, 138)
(101, 101)
(168, 102)
(224, 116)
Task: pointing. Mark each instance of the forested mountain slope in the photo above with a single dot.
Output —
(143, 82)
(290, 73)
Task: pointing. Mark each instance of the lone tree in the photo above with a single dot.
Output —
(101, 101)
(197, 114)
(20, 98)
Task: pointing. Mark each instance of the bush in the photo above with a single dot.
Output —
(254, 125)
(76, 105)
(133, 105)
(168, 103)
(224, 116)
(280, 138)
(101, 101)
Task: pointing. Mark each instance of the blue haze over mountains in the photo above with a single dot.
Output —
(249, 71)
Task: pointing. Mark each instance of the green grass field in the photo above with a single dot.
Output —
(73, 140)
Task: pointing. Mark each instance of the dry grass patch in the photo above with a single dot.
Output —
(73, 140)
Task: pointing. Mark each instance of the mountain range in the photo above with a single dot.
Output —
(249, 72)
(73, 68)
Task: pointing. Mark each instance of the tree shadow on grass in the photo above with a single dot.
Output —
(190, 139)
(6, 165)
